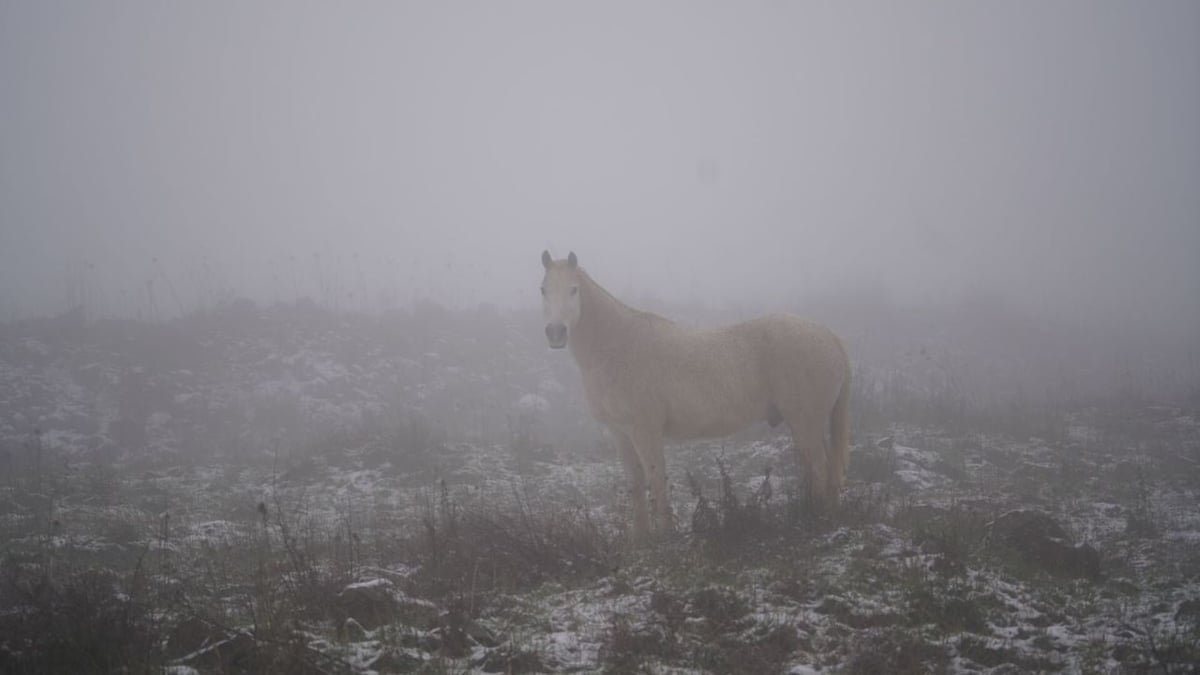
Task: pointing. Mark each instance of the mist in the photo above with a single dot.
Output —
(276, 393)
(747, 155)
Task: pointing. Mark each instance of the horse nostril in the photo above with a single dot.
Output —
(556, 333)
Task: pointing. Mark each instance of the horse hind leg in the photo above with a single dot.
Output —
(808, 438)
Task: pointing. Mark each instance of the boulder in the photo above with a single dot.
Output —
(376, 602)
(370, 603)
(1039, 541)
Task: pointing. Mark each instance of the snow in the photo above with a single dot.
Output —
(532, 403)
(213, 531)
(567, 649)
(915, 468)
(324, 481)
(371, 583)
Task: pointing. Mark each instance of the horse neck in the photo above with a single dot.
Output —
(603, 323)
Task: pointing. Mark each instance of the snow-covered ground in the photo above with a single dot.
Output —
(280, 492)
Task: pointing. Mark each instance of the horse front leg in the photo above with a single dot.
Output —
(649, 446)
(636, 477)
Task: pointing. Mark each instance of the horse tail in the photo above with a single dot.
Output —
(839, 431)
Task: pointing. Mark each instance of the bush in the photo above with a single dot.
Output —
(76, 621)
(481, 547)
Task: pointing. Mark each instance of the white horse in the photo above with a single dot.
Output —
(648, 379)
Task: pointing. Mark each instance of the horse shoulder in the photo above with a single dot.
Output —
(620, 393)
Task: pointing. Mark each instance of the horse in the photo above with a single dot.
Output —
(649, 380)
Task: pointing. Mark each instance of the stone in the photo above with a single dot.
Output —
(1039, 541)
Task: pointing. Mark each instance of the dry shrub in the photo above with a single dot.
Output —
(514, 545)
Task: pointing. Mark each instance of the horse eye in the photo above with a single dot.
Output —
(574, 290)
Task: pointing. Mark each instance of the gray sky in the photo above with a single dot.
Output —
(1048, 152)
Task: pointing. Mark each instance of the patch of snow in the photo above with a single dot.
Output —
(37, 347)
(914, 468)
(370, 583)
(532, 403)
(1083, 433)
(922, 458)
(1064, 635)
(62, 439)
(80, 543)
(1184, 536)
(1099, 521)
(566, 650)
(398, 570)
(213, 530)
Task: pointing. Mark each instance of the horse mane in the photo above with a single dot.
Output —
(632, 311)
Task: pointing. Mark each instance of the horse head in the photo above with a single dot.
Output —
(560, 298)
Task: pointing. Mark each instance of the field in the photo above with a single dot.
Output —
(294, 490)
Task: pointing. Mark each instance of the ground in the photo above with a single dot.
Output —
(268, 507)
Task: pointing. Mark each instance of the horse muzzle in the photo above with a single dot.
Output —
(556, 335)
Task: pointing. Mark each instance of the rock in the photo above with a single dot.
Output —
(421, 640)
(719, 604)
(1039, 541)
(481, 634)
(370, 603)
(1188, 612)
(353, 630)
(417, 613)
(190, 636)
(376, 602)
(454, 641)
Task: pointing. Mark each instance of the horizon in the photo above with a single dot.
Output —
(755, 155)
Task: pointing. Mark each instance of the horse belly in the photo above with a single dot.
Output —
(712, 412)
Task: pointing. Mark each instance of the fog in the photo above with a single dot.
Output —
(275, 388)
(156, 159)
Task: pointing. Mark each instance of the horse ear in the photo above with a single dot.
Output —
(546, 259)
(572, 261)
